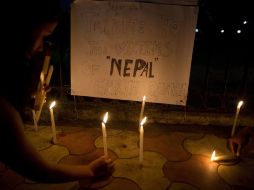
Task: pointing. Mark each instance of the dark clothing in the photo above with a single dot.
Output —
(20, 80)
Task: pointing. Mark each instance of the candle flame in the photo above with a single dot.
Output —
(52, 105)
(240, 103)
(105, 117)
(144, 98)
(143, 121)
(213, 156)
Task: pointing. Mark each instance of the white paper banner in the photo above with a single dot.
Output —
(125, 50)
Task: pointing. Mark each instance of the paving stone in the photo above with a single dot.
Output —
(78, 141)
(170, 145)
(41, 139)
(85, 159)
(54, 153)
(10, 179)
(182, 186)
(164, 154)
(95, 183)
(240, 174)
(152, 130)
(198, 171)
(148, 176)
(42, 186)
(94, 131)
(121, 183)
(207, 145)
(124, 144)
(69, 129)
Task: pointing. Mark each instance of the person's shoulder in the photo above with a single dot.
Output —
(4, 103)
(8, 112)
(5, 108)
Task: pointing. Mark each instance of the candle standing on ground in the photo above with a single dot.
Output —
(35, 122)
(104, 134)
(240, 103)
(142, 108)
(141, 140)
(53, 126)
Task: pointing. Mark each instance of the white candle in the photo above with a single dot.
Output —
(142, 108)
(104, 134)
(240, 103)
(53, 126)
(141, 140)
(35, 122)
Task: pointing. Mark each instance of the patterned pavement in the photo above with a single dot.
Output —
(173, 160)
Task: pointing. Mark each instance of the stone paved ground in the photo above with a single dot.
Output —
(173, 159)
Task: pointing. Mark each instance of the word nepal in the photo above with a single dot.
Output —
(130, 67)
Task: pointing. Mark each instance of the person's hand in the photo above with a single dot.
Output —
(236, 145)
(237, 142)
(101, 167)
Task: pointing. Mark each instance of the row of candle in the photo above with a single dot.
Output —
(142, 121)
(103, 125)
(141, 132)
(228, 157)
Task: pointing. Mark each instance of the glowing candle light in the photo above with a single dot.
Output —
(142, 108)
(141, 139)
(224, 158)
(213, 156)
(104, 133)
(240, 103)
(53, 126)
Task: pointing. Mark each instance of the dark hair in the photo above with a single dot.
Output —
(25, 17)
(36, 12)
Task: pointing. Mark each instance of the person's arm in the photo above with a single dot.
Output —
(21, 156)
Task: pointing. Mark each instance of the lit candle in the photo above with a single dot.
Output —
(142, 108)
(141, 139)
(53, 126)
(224, 158)
(213, 156)
(104, 133)
(35, 122)
(240, 103)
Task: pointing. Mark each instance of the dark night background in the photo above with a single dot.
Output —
(222, 72)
